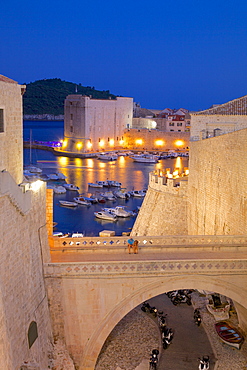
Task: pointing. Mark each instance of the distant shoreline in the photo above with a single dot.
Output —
(43, 117)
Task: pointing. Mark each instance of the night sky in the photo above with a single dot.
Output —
(189, 54)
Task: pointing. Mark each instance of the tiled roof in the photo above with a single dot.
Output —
(6, 79)
(233, 107)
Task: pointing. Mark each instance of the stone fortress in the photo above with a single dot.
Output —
(213, 201)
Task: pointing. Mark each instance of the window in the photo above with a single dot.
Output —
(1, 121)
(71, 128)
(171, 123)
(32, 333)
(179, 123)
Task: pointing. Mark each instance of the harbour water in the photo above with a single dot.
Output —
(132, 175)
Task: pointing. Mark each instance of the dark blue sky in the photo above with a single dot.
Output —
(164, 53)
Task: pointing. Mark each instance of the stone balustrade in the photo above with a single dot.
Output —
(150, 243)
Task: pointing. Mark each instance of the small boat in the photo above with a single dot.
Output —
(105, 216)
(118, 211)
(95, 185)
(103, 183)
(145, 158)
(138, 193)
(82, 201)
(108, 195)
(108, 157)
(114, 183)
(58, 189)
(71, 187)
(77, 235)
(53, 176)
(33, 169)
(229, 334)
(122, 194)
(66, 203)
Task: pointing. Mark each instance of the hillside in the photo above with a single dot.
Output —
(47, 96)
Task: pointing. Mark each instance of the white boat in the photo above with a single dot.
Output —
(95, 185)
(61, 176)
(66, 203)
(71, 187)
(33, 169)
(82, 201)
(58, 189)
(53, 176)
(108, 195)
(108, 157)
(118, 211)
(105, 216)
(145, 158)
(114, 183)
(121, 193)
(138, 193)
(103, 183)
(77, 235)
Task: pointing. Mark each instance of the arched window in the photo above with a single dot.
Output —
(32, 333)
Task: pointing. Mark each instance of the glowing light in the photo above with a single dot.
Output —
(63, 161)
(175, 173)
(178, 163)
(78, 162)
(121, 142)
(36, 185)
(101, 143)
(179, 143)
(89, 145)
(154, 124)
(79, 146)
(186, 171)
(65, 143)
(139, 141)
(111, 142)
(159, 142)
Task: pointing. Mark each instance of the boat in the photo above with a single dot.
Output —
(103, 183)
(58, 189)
(121, 193)
(95, 185)
(145, 158)
(33, 169)
(229, 334)
(108, 195)
(105, 216)
(108, 157)
(66, 203)
(71, 187)
(118, 211)
(77, 235)
(138, 193)
(114, 183)
(53, 176)
(82, 201)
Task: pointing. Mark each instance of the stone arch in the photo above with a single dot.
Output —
(219, 284)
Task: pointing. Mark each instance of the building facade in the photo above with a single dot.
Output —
(95, 124)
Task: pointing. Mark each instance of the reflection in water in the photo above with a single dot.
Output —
(132, 175)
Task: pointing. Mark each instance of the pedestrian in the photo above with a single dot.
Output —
(135, 246)
(130, 244)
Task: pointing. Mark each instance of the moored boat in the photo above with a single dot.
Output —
(71, 187)
(108, 156)
(95, 185)
(82, 201)
(118, 211)
(229, 334)
(138, 193)
(66, 203)
(145, 158)
(58, 189)
(105, 216)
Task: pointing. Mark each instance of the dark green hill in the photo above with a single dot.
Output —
(47, 96)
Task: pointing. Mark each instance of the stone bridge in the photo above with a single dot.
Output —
(93, 283)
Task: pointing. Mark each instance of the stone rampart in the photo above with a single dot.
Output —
(23, 299)
(217, 188)
(164, 209)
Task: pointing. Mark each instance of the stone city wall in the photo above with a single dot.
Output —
(207, 122)
(164, 209)
(149, 138)
(22, 292)
(217, 189)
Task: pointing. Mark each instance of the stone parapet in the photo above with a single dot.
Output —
(176, 186)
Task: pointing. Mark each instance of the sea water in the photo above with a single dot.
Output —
(80, 172)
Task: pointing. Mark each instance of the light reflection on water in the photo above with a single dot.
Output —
(133, 176)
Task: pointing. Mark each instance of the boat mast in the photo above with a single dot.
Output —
(30, 151)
